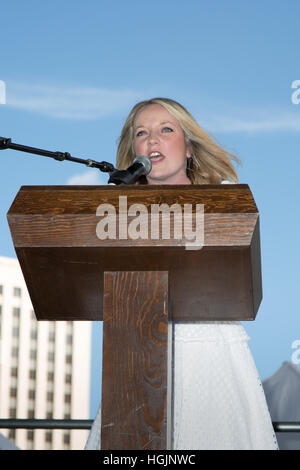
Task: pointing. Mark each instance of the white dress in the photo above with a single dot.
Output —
(219, 401)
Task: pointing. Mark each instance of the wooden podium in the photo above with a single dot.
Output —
(138, 287)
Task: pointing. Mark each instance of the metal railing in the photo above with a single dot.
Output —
(14, 423)
(286, 426)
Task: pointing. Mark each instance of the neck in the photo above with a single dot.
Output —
(175, 180)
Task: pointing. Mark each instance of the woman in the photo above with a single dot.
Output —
(219, 401)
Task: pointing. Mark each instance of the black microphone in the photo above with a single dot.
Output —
(141, 166)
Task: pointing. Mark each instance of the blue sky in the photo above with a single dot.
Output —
(74, 69)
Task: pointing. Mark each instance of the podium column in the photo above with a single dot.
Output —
(136, 395)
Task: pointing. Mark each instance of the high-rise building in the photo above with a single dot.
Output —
(44, 367)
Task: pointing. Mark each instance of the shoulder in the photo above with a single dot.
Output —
(228, 182)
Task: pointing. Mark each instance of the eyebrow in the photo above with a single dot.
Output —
(164, 122)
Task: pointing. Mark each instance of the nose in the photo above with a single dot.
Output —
(152, 137)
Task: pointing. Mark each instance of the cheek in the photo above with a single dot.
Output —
(137, 146)
(141, 148)
(180, 146)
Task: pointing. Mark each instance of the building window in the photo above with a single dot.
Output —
(30, 435)
(33, 333)
(50, 376)
(16, 312)
(48, 437)
(68, 358)
(69, 339)
(15, 352)
(50, 396)
(51, 356)
(12, 413)
(17, 292)
(30, 414)
(14, 372)
(1, 289)
(67, 398)
(16, 332)
(68, 378)
(13, 392)
(12, 434)
(51, 336)
(67, 439)
(33, 353)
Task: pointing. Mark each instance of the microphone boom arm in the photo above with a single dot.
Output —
(105, 167)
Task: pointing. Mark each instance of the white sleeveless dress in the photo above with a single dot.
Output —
(219, 401)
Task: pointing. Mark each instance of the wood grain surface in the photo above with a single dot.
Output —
(66, 216)
(137, 287)
(135, 350)
(63, 260)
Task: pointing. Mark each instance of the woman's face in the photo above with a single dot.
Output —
(159, 136)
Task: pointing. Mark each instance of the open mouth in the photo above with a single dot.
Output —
(156, 157)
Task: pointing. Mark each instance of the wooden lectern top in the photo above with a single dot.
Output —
(54, 230)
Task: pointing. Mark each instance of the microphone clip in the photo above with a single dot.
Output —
(4, 143)
(120, 177)
(141, 166)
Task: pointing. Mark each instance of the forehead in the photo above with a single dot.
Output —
(154, 114)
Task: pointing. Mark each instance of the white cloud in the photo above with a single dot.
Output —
(86, 103)
(254, 121)
(90, 177)
(90, 103)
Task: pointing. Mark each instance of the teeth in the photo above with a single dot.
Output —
(154, 154)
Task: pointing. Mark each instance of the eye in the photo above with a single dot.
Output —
(167, 129)
(139, 133)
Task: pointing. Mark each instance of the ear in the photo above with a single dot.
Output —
(189, 151)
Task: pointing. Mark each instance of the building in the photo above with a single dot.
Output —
(282, 390)
(44, 367)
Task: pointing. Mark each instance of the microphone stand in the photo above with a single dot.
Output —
(106, 167)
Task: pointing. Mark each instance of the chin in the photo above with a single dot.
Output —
(157, 179)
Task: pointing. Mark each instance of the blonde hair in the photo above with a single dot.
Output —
(208, 164)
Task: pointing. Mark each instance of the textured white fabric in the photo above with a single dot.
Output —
(219, 402)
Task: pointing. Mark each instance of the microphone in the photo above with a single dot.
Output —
(141, 166)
